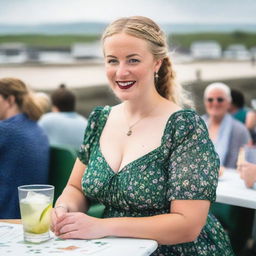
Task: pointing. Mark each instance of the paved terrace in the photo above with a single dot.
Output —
(75, 76)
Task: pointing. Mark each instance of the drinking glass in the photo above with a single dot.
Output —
(35, 208)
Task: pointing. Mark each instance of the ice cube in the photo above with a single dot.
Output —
(35, 197)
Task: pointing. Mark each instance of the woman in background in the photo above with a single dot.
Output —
(24, 148)
(150, 162)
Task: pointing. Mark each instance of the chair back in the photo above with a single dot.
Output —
(62, 159)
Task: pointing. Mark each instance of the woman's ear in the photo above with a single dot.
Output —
(158, 64)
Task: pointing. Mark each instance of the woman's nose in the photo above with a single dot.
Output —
(122, 70)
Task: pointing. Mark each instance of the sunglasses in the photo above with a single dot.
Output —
(219, 99)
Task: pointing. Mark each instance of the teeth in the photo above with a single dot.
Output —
(125, 83)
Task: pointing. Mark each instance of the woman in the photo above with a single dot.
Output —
(157, 187)
(24, 147)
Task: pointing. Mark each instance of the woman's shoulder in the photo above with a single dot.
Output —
(14, 121)
(99, 111)
(186, 121)
(185, 115)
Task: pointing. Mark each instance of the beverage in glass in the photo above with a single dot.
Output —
(35, 208)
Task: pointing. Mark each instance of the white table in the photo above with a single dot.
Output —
(12, 244)
(232, 190)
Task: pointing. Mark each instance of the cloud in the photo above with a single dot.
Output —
(45, 11)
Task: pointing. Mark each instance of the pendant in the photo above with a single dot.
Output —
(129, 133)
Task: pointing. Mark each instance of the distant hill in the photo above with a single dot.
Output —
(54, 28)
(183, 28)
(97, 28)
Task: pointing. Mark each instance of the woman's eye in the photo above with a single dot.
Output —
(133, 61)
(112, 61)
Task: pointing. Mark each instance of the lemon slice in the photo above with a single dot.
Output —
(43, 223)
(45, 211)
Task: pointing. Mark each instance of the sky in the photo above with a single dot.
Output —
(164, 11)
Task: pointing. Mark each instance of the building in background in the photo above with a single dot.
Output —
(13, 53)
(237, 52)
(205, 50)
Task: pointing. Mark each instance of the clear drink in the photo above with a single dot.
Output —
(35, 208)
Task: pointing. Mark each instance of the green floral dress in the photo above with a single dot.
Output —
(185, 166)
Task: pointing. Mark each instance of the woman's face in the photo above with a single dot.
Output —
(4, 106)
(130, 66)
(216, 103)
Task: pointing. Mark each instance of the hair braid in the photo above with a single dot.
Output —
(165, 81)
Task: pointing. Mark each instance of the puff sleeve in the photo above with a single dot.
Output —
(90, 135)
(193, 163)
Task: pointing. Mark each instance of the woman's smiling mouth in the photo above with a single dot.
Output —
(125, 84)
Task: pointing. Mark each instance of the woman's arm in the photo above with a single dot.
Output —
(183, 224)
(72, 196)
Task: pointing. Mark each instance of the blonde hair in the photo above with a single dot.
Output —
(43, 100)
(23, 97)
(146, 29)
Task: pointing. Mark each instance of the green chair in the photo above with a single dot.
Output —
(96, 209)
(62, 159)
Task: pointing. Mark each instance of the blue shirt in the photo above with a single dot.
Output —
(64, 128)
(24, 159)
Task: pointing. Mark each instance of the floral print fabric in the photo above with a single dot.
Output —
(185, 166)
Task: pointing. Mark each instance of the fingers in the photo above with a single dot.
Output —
(57, 215)
(60, 211)
(69, 235)
(53, 220)
(65, 229)
(63, 221)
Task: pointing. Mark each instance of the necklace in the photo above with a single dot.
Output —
(129, 132)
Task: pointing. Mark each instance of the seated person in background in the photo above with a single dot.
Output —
(63, 125)
(237, 109)
(24, 148)
(251, 125)
(228, 135)
(248, 174)
(241, 113)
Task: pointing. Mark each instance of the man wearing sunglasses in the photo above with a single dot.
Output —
(228, 136)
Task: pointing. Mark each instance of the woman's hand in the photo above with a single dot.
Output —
(77, 225)
(247, 173)
(56, 214)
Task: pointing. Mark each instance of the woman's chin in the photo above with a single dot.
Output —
(124, 95)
